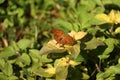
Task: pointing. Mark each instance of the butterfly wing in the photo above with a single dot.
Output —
(62, 38)
(57, 34)
(67, 39)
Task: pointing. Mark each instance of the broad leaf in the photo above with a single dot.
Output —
(7, 52)
(93, 44)
(8, 69)
(23, 60)
(24, 43)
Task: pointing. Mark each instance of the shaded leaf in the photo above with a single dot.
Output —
(93, 44)
(74, 50)
(109, 73)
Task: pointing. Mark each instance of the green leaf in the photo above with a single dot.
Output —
(34, 53)
(7, 52)
(90, 4)
(2, 1)
(74, 51)
(110, 43)
(93, 44)
(116, 2)
(23, 60)
(2, 64)
(99, 2)
(117, 30)
(84, 19)
(13, 77)
(7, 23)
(41, 72)
(3, 76)
(36, 59)
(24, 43)
(63, 24)
(8, 69)
(109, 73)
(44, 58)
(61, 69)
(61, 73)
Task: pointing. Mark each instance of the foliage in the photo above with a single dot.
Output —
(28, 50)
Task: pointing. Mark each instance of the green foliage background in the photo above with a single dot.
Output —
(25, 26)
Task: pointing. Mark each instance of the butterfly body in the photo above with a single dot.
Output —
(62, 38)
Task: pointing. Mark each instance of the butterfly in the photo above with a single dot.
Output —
(62, 38)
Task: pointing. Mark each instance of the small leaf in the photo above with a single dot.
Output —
(24, 43)
(117, 30)
(7, 23)
(93, 44)
(23, 60)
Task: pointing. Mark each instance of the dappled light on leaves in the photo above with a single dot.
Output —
(53, 46)
(112, 17)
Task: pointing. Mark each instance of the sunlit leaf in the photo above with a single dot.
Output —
(24, 43)
(61, 66)
(103, 17)
(3, 76)
(7, 52)
(8, 69)
(7, 23)
(117, 30)
(2, 64)
(77, 35)
(42, 72)
(23, 60)
(52, 47)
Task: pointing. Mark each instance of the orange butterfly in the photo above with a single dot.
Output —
(62, 38)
